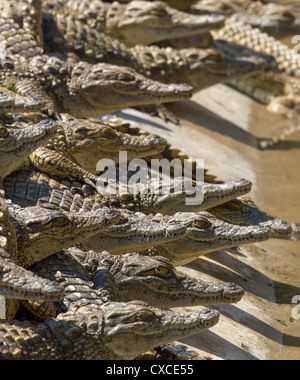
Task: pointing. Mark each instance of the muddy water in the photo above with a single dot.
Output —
(278, 181)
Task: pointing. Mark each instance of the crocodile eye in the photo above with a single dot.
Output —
(159, 11)
(3, 132)
(108, 133)
(164, 271)
(33, 226)
(57, 220)
(201, 223)
(60, 220)
(126, 78)
(144, 315)
(82, 130)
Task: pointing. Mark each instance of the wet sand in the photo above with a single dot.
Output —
(224, 127)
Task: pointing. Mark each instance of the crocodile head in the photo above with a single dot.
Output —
(43, 232)
(100, 89)
(149, 22)
(245, 213)
(129, 329)
(137, 231)
(170, 197)
(88, 141)
(16, 144)
(221, 63)
(205, 233)
(155, 280)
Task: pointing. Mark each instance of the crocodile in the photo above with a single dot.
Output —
(237, 32)
(86, 90)
(88, 277)
(170, 153)
(23, 145)
(227, 59)
(82, 89)
(161, 285)
(244, 212)
(43, 232)
(198, 68)
(32, 188)
(136, 22)
(92, 280)
(15, 281)
(277, 19)
(16, 144)
(114, 330)
(204, 233)
(86, 141)
(278, 91)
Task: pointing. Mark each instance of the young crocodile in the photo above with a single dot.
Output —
(245, 213)
(114, 330)
(86, 275)
(32, 188)
(86, 141)
(16, 144)
(277, 19)
(204, 233)
(235, 31)
(91, 287)
(15, 281)
(81, 89)
(135, 22)
(41, 232)
(199, 68)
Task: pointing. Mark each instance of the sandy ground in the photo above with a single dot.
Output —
(223, 127)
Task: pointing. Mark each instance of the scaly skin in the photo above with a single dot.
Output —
(88, 277)
(277, 19)
(177, 4)
(199, 68)
(204, 233)
(136, 22)
(170, 153)
(86, 142)
(86, 90)
(31, 188)
(16, 144)
(41, 232)
(279, 91)
(235, 31)
(29, 13)
(12, 102)
(16, 282)
(245, 213)
(161, 285)
(21, 145)
(137, 231)
(81, 89)
(79, 144)
(114, 330)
